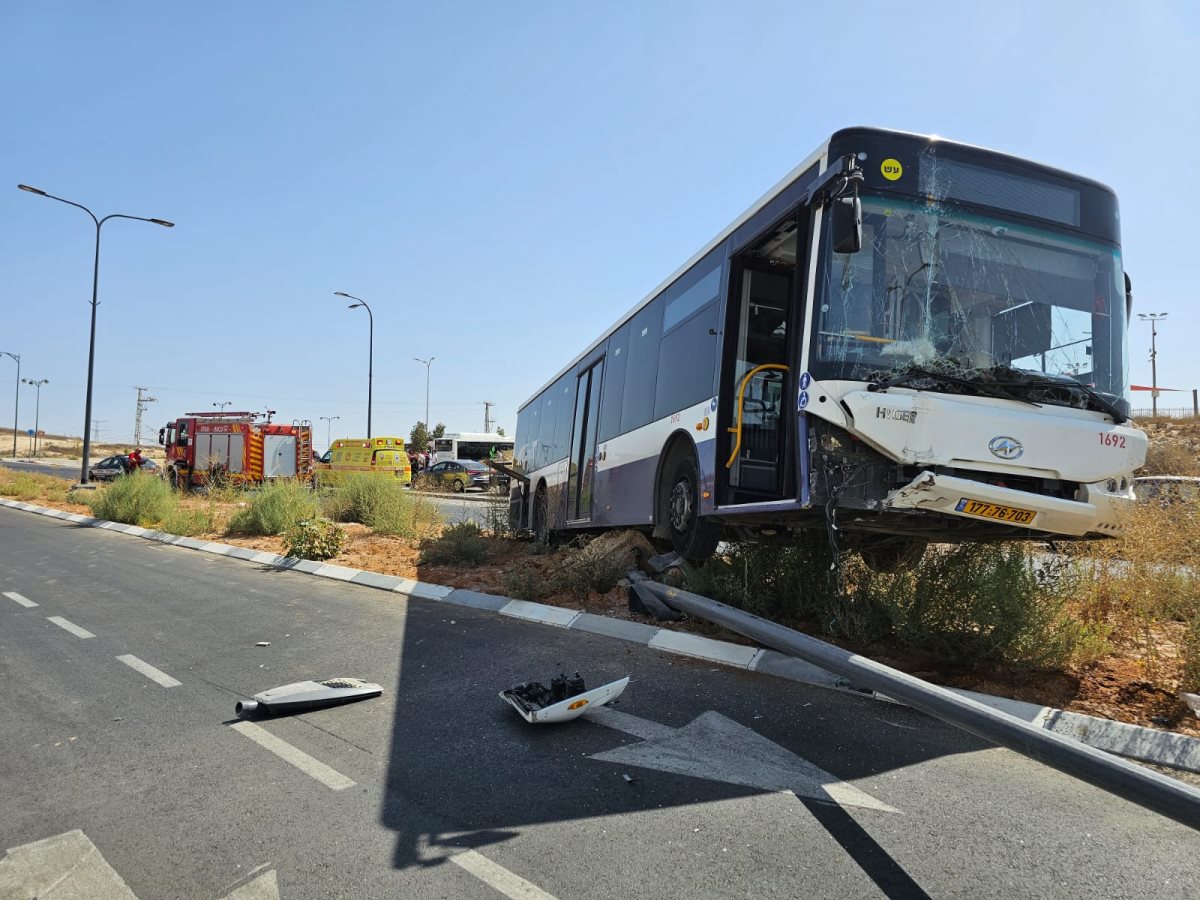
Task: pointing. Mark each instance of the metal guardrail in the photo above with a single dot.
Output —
(1145, 787)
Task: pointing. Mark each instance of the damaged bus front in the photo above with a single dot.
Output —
(967, 369)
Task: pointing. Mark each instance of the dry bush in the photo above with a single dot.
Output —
(1163, 458)
(1146, 586)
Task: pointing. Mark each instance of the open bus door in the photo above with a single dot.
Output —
(756, 441)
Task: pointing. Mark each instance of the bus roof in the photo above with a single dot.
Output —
(816, 156)
(481, 436)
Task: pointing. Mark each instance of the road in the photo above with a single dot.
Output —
(701, 782)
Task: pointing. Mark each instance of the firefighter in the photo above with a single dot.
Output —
(134, 460)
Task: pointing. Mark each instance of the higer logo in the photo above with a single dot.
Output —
(1005, 447)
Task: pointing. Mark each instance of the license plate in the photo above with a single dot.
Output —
(995, 511)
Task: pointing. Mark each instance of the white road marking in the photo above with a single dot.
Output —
(71, 627)
(156, 675)
(496, 876)
(66, 865)
(719, 749)
(264, 887)
(24, 601)
(331, 778)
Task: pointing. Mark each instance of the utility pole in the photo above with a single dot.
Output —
(329, 420)
(96, 423)
(487, 416)
(1153, 319)
(37, 383)
(143, 401)
(426, 363)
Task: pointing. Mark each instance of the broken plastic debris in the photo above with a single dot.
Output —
(627, 778)
(565, 699)
(302, 695)
(263, 644)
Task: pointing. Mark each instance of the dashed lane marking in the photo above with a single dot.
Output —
(331, 778)
(496, 876)
(24, 601)
(156, 675)
(71, 627)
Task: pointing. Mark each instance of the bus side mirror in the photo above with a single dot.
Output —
(846, 224)
(1128, 297)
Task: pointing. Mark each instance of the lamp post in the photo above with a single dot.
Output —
(87, 410)
(426, 363)
(37, 414)
(1153, 319)
(370, 347)
(221, 404)
(17, 398)
(328, 422)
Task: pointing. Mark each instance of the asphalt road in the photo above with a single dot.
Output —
(438, 789)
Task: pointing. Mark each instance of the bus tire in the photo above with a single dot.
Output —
(692, 537)
(541, 517)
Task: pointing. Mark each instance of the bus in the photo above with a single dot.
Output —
(906, 340)
(479, 446)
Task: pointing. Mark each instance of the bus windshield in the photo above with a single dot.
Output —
(973, 296)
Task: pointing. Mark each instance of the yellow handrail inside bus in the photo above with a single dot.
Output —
(741, 397)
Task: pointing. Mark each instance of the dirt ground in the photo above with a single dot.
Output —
(57, 446)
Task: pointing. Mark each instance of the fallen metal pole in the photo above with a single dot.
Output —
(1145, 787)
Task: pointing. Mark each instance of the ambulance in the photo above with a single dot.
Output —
(384, 457)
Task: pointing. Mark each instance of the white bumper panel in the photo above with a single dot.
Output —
(1098, 513)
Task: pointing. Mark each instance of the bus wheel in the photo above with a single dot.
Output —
(896, 554)
(693, 538)
(541, 517)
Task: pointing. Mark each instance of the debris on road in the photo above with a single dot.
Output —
(263, 644)
(565, 699)
(305, 695)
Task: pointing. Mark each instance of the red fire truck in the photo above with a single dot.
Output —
(235, 445)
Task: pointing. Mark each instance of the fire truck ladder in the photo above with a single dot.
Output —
(303, 445)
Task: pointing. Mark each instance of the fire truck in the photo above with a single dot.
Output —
(206, 446)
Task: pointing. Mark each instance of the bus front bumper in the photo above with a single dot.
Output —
(1097, 513)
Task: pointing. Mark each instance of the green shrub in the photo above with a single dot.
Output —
(275, 508)
(383, 505)
(188, 522)
(969, 604)
(137, 499)
(459, 544)
(314, 539)
(22, 486)
(524, 584)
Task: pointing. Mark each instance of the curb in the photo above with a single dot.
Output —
(1134, 741)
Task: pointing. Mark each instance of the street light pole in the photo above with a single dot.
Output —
(1153, 319)
(87, 412)
(328, 422)
(16, 398)
(427, 363)
(221, 404)
(37, 415)
(370, 348)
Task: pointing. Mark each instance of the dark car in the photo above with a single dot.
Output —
(112, 466)
(459, 474)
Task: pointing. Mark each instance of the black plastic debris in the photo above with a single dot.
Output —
(305, 695)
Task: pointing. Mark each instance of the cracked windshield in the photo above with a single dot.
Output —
(937, 288)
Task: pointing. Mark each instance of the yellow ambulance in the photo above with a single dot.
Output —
(382, 456)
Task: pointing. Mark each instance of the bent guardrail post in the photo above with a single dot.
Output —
(1145, 787)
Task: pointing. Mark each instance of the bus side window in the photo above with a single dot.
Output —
(614, 383)
(642, 369)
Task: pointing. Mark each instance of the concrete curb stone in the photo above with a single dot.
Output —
(1134, 741)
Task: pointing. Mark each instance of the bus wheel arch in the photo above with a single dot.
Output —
(677, 502)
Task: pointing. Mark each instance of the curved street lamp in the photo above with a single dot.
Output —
(426, 363)
(329, 420)
(221, 404)
(87, 410)
(17, 399)
(1153, 319)
(37, 415)
(358, 301)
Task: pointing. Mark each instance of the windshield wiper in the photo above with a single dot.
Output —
(1036, 379)
(917, 373)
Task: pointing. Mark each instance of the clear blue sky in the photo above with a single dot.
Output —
(501, 180)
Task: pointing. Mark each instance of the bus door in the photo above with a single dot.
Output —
(581, 472)
(754, 444)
